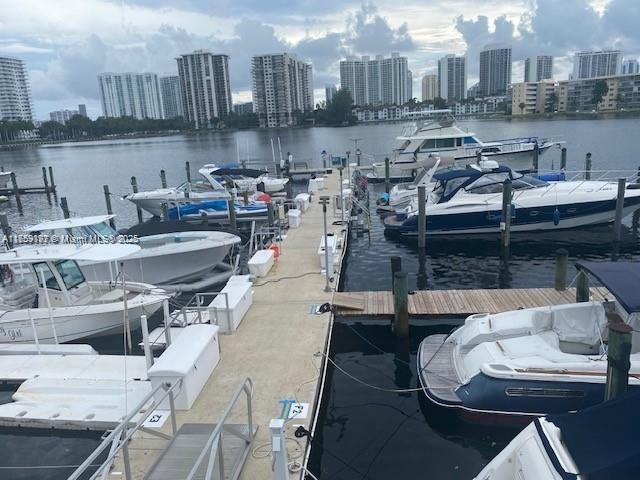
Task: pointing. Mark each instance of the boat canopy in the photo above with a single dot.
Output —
(69, 223)
(585, 434)
(229, 172)
(620, 278)
(86, 252)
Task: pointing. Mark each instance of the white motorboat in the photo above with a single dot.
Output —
(46, 298)
(442, 137)
(5, 177)
(163, 259)
(402, 194)
(574, 446)
(534, 361)
(467, 201)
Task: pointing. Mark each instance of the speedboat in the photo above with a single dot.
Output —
(46, 298)
(467, 201)
(218, 210)
(574, 446)
(402, 194)
(162, 259)
(536, 361)
(419, 143)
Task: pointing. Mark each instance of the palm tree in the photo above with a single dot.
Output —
(521, 106)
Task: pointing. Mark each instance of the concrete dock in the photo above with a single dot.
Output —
(274, 346)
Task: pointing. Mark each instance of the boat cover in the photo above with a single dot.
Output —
(246, 172)
(620, 278)
(587, 435)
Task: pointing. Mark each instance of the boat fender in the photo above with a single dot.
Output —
(276, 250)
(556, 217)
(383, 199)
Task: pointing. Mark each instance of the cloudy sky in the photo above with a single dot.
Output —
(66, 43)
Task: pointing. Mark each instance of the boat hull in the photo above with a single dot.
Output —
(153, 205)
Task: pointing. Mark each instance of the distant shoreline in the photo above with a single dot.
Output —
(483, 117)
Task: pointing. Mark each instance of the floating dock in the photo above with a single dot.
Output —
(457, 303)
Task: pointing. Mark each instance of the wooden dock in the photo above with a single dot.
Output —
(457, 303)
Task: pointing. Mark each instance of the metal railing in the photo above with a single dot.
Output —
(122, 434)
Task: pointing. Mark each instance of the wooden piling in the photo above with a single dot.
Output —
(505, 225)
(107, 199)
(231, 207)
(163, 178)
(64, 206)
(16, 192)
(536, 157)
(134, 187)
(187, 167)
(271, 215)
(387, 174)
(401, 304)
(582, 287)
(562, 262)
(45, 181)
(563, 158)
(6, 231)
(618, 356)
(245, 197)
(396, 266)
(52, 182)
(165, 211)
(617, 226)
(587, 167)
(422, 217)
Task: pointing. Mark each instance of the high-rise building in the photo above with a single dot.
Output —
(630, 66)
(329, 91)
(409, 84)
(452, 78)
(15, 91)
(243, 108)
(82, 110)
(382, 81)
(429, 87)
(130, 95)
(495, 70)
(171, 97)
(62, 116)
(538, 68)
(534, 97)
(282, 87)
(603, 63)
(205, 87)
(472, 91)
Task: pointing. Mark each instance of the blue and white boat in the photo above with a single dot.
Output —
(536, 361)
(468, 201)
(215, 209)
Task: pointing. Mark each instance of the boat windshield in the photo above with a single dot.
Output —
(104, 229)
(492, 183)
(524, 182)
(70, 272)
(49, 279)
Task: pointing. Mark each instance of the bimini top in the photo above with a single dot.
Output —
(587, 433)
(88, 252)
(620, 278)
(231, 170)
(69, 223)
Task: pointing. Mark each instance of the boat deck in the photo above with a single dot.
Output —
(458, 303)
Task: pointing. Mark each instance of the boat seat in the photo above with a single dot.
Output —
(481, 328)
(580, 323)
(545, 345)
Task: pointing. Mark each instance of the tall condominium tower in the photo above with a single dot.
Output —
(171, 97)
(130, 95)
(538, 68)
(630, 66)
(15, 91)
(206, 91)
(282, 86)
(429, 87)
(603, 63)
(329, 91)
(495, 70)
(452, 78)
(381, 81)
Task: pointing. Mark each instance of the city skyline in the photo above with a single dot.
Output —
(103, 35)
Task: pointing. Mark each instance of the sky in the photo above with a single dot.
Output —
(66, 43)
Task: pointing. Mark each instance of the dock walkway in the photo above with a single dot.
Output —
(274, 346)
(443, 303)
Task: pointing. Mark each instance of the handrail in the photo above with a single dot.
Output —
(247, 387)
(122, 427)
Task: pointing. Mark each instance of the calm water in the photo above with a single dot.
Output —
(363, 433)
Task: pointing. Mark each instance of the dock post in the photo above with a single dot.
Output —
(505, 224)
(422, 217)
(134, 186)
(618, 353)
(562, 261)
(45, 181)
(617, 226)
(396, 266)
(187, 167)
(163, 178)
(107, 199)
(478, 157)
(536, 157)
(245, 197)
(323, 201)
(231, 207)
(6, 231)
(271, 216)
(563, 158)
(52, 181)
(279, 446)
(587, 167)
(387, 175)
(145, 341)
(16, 192)
(358, 156)
(165, 211)
(64, 206)
(401, 304)
(582, 287)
